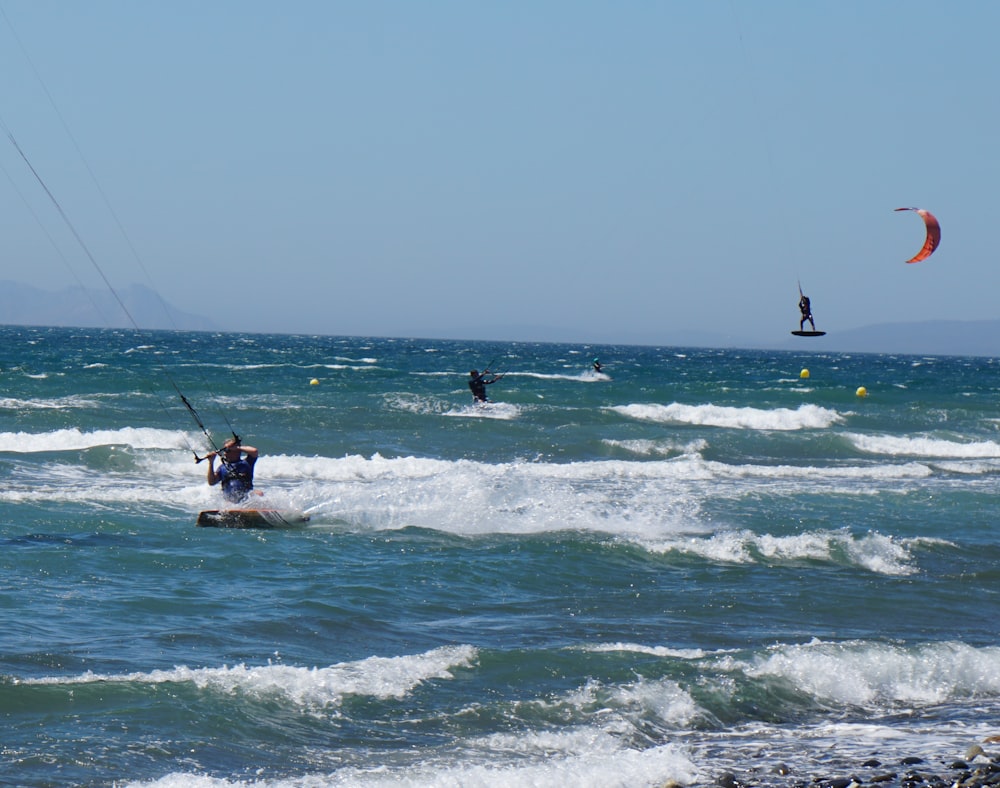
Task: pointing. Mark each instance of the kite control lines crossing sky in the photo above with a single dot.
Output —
(933, 234)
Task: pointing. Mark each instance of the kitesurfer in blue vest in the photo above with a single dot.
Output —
(806, 309)
(478, 384)
(235, 472)
(597, 365)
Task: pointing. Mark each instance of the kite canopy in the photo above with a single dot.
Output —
(933, 234)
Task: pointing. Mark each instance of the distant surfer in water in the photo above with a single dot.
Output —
(597, 365)
(806, 309)
(478, 384)
(235, 472)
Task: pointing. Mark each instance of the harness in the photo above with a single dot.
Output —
(237, 479)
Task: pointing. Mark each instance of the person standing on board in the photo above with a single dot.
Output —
(478, 384)
(806, 309)
(235, 472)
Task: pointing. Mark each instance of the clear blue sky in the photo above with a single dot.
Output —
(594, 171)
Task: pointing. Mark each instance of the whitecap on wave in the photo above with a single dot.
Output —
(903, 446)
(803, 417)
(873, 552)
(378, 677)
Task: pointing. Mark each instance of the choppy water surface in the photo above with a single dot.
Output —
(697, 561)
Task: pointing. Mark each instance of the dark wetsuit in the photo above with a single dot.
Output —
(806, 309)
(478, 386)
(236, 479)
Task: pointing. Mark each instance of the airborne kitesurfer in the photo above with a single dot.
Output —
(806, 309)
(235, 472)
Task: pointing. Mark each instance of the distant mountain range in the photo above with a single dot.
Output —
(22, 304)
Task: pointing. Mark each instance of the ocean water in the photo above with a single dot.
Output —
(701, 561)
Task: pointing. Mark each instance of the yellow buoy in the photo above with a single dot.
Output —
(862, 391)
(314, 382)
(804, 373)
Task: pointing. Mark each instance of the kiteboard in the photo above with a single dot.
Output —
(809, 333)
(251, 518)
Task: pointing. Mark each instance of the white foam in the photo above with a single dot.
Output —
(587, 376)
(970, 467)
(874, 552)
(56, 403)
(585, 758)
(378, 677)
(814, 474)
(655, 651)
(895, 446)
(868, 674)
(650, 502)
(74, 440)
(803, 417)
(414, 403)
(661, 700)
(648, 447)
(488, 410)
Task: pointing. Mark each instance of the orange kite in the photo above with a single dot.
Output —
(933, 234)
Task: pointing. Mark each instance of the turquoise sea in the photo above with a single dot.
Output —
(696, 563)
